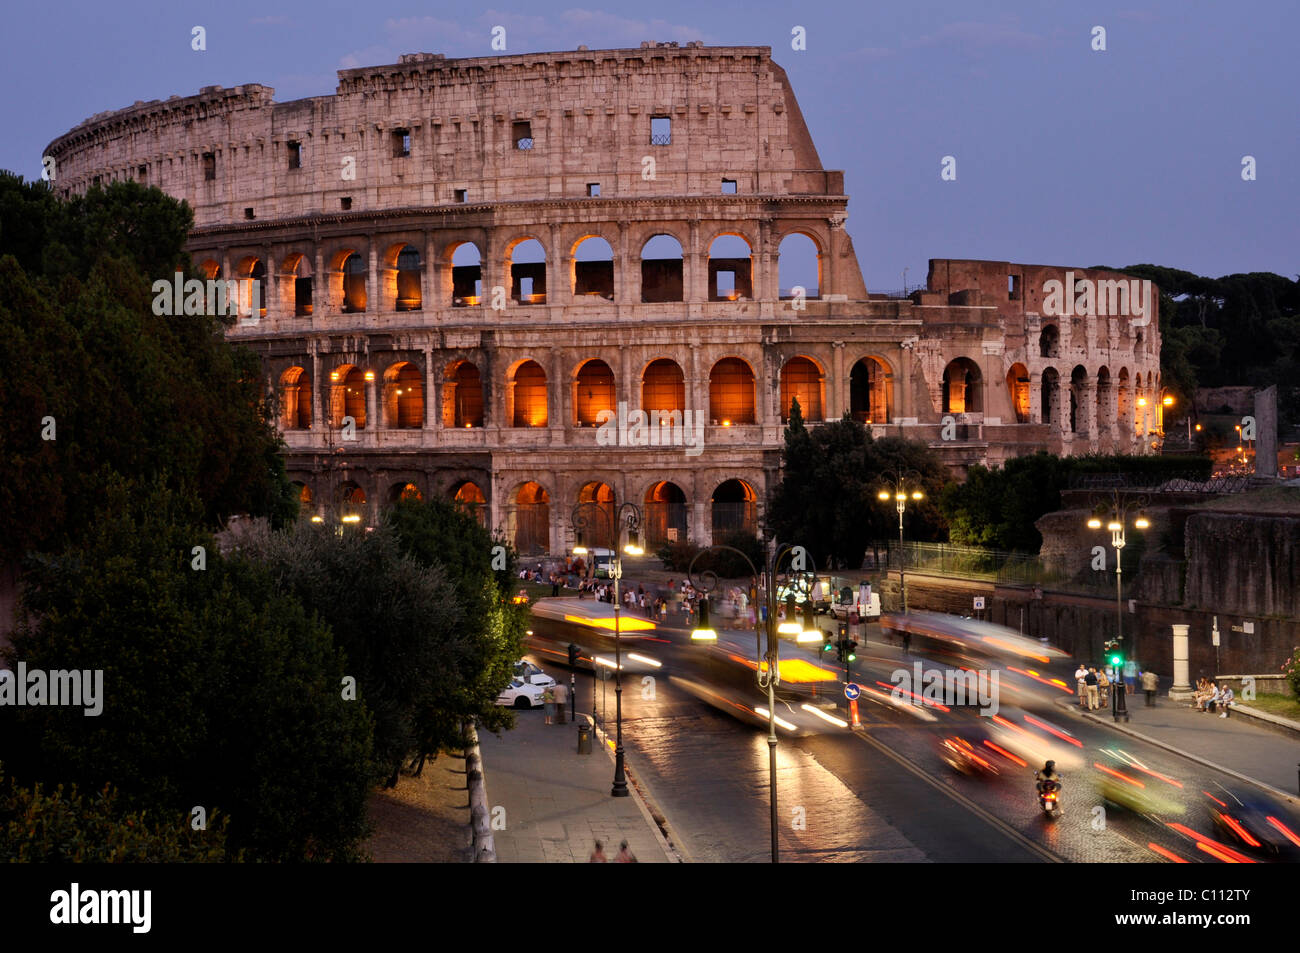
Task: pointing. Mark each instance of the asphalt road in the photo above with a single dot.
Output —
(884, 793)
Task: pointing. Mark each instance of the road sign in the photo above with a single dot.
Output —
(979, 602)
(852, 690)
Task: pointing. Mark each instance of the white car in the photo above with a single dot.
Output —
(532, 674)
(521, 695)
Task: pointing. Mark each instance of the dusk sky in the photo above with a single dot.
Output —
(1064, 155)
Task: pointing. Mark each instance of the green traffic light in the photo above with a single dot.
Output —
(1114, 660)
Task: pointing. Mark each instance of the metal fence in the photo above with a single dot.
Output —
(988, 565)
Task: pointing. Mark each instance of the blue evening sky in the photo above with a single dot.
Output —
(1063, 155)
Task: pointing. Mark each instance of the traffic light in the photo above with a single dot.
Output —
(850, 650)
(840, 648)
(573, 655)
(827, 640)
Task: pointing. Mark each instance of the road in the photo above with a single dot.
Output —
(883, 793)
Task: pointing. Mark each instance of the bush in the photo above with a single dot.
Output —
(1291, 669)
(66, 827)
(677, 557)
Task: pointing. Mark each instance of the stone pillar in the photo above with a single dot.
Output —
(695, 267)
(1088, 412)
(557, 414)
(1112, 413)
(316, 420)
(1035, 396)
(373, 422)
(1182, 690)
(697, 387)
(432, 412)
(374, 294)
(559, 271)
(320, 286)
(837, 384)
(429, 276)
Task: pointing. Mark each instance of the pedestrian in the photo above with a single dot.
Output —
(548, 698)
(1225, 700)
(561, 699)
(907, 641)
(663, 611)
(1080, 675)
(555, 584)
(598, 855)
(624, 856)
(1091, 681)
(1149, 683)
(1130, 673)
(1103, 687)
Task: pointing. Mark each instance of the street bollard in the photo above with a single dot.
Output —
(584, 739)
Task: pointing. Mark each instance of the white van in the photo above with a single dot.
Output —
(861, 600)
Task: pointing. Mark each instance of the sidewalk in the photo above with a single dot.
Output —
(1236, 743)
(557, 802)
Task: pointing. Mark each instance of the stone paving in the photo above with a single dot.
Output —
(557, 802)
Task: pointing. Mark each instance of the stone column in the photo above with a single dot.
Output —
(695, 267)
(374, 294)
(559, 272)
(1088, 412)
(320, 286)
(1182, 690)
(373, 422)
(432, 412)
(429, 297)
(1035, 396)
(557, 417)
(316, 420)
(838, 386)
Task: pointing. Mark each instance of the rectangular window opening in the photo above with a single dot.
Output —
(522, 134)
(726, 284)
(593, 190)
(401, 143)
(345, 203)
(462, 195)
(248, 213)
(295, 155)
(1013, 287)
(728, 186)
(142, 173)
(209, 166)
(661, 131)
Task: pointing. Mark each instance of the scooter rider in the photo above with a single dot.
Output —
(1048, 776)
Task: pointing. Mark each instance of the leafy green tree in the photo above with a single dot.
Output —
(219, 690)
(830, 476)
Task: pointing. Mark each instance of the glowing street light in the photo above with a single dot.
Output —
(900, 496)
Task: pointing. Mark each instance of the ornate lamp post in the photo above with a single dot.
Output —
(1115, 518)
(628, 517)
(900, 494)
(769, 669)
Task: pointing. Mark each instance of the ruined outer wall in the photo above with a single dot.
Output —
(733, 115)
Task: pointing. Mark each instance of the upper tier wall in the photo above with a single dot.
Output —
(588, 115)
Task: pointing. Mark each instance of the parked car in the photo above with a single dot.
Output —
(531, 673)
(520, 694)
(847, 602)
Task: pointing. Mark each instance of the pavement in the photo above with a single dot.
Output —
(1238, 744)
(557, 802)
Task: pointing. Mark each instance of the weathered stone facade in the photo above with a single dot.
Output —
(386, 226)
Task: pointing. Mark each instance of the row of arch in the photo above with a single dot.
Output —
(730, 275)
(528, 513)
(400, 396)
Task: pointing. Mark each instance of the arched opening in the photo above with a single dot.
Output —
(348, 396)
(529, 388)
(870, 391)
(351, 502)
(1018, 388)
(593, 392)
(594, 520)
(295, 399)
(665, 514)
(404, 396)
(404, 491)
(1049, 341)
(962, 393)
(305, 498)
(1123, 400)
(466, 276)
(799, 266)
(251, 273)
(526, 265)
(298, 284)
(210, 269)
(734, 508)
(532, 519)
(408, 279)
(354, 284)
(1078, 394)
(731, 392)
(801, 380)
(462, 397)
(469, 497)
(593, 268)
(1050, 396)
(1101, 406)
(730, 269)
(663, 393)
(661, 270)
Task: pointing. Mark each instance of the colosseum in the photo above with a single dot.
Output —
(477, 274)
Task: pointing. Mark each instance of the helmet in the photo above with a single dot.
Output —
(1050, 766)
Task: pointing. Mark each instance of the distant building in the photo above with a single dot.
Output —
(469, 264)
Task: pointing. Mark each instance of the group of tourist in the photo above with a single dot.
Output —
(1210, 697)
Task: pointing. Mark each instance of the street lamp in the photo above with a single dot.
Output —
(1116, 517)
(628, 517)
(769, 668)
(901, 495)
